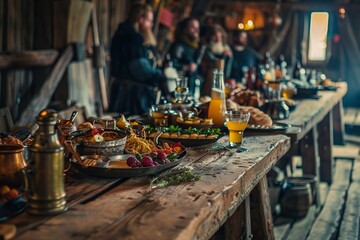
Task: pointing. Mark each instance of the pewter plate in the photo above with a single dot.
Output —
(118, 168)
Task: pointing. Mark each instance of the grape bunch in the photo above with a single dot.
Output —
(153, 159)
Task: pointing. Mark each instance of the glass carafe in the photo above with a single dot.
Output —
(217, 105)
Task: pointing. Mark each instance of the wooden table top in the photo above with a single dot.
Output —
(308, 113)
(130, 209)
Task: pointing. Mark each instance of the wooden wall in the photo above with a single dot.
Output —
(42, 24)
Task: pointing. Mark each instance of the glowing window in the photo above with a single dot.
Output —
(319, 24)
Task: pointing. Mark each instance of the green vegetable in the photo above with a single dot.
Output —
(183, 176)
(172, 156)
(189, 130)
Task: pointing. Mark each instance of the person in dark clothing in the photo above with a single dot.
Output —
(217, 51)
(244, 57)
(184, 51)
(135, 76)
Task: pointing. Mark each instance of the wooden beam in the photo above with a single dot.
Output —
(310, 158)
(42, 99)
(261, 218)
(26, 59)
(325, 130)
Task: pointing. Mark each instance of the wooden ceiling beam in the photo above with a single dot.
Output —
(27, 59)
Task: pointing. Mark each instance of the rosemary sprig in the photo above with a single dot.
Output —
(175, 176)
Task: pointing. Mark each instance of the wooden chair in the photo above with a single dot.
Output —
(66, 113)
(6, 121)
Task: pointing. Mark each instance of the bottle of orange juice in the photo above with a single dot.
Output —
(217, 105)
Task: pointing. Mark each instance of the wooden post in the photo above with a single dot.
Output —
(325, 128)
(338, 124)
(310, 158)
(235, 226)
(261, 218)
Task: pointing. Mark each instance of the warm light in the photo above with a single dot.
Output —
(249, 25)
(318, 36)
(342, 10)
(241, 26)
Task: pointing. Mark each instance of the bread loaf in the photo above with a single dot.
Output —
(258, 117)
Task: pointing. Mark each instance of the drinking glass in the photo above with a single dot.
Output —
(236, 122)
(160, 114)
(181, 90)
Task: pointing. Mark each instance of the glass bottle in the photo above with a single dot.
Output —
(217, 105)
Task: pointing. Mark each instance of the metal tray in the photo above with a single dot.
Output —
(120, 170)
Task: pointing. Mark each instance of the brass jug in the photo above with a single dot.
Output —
(12, 165)
(45, 174)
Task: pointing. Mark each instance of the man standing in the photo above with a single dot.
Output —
(135, 77)
(184, 50)
(244, 57)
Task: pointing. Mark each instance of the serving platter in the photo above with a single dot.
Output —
(118, 168)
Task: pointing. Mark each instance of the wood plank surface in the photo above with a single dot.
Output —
(342, 174)
(26, 59)
(350, 225)
(79, 188)
(327, 223)
(301, 227)
(350, 115)
(133, 210)
(348, 152)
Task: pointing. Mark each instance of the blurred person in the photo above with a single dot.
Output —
(184, 52)
(244, 57)
(133, 63)
(217, 49)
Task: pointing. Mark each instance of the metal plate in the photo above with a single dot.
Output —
(123, 171)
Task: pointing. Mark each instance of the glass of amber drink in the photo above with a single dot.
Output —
(236, 122)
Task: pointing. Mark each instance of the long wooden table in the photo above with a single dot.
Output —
(316, 124)
(130, 209)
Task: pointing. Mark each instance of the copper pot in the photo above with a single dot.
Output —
(12, 164)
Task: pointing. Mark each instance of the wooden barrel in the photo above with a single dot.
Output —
(306, 178)
(296, 200)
